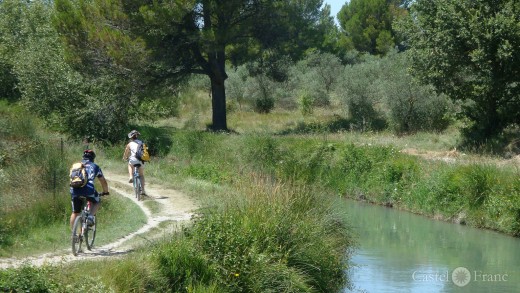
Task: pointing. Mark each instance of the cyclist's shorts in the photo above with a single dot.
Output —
(77, 201)
(132, 162)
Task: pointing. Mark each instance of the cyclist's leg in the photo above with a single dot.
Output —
(95, 203)
(130, 172)
(77, 205)
(141, 175)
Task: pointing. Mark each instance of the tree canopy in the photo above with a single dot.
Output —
(470, 50)
(152, 42)
(367, 24)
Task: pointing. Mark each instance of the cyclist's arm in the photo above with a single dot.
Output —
(104, 184)
(127, 153)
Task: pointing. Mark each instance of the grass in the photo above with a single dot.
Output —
(267, 223)
(34, 195)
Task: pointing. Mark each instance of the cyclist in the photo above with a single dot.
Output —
(129, 155)
(88, 191)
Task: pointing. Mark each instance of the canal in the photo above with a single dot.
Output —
(402, 252)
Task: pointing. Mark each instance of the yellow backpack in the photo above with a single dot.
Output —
(78, 175)
(142, 152)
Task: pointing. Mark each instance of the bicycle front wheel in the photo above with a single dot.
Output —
(77, 238)
(90, 235)
(137, 187)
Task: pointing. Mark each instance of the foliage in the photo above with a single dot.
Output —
(327, 66)
(380, 91)
(411, 106)
(359, 92)
(161, 41)
(182, 265)
(11, 39)
(260, 89)
(305, 101)
(313, 79)
(27, 279)
(469, 51)
(367, 24)
(273, 241)
(236, 91)
(50, 87)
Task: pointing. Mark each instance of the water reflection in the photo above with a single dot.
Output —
(403, 252)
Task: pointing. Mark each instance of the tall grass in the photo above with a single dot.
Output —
(475, 193)
(262, 239)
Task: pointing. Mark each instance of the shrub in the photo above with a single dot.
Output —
(260, 90)
(182, 265)
(305, 101)
(235, 89)
(359, 92)
(412, 106)
(261, 151)
(26, 279)
(274, 240)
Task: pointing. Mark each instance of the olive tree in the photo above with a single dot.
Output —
(412, 106)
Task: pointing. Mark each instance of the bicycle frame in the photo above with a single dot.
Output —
(138, 187)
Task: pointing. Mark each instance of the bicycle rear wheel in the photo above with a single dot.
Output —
(77, 238)
(90, 235)
(137, 187)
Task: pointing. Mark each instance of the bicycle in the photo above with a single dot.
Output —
(84, 228)
(138, 186)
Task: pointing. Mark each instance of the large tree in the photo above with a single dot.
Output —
(367, 24)
(470, 50)
(168, 39)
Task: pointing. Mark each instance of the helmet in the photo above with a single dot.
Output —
(89, 155)
(133, 133)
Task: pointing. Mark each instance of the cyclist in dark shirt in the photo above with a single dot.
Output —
(88, 191)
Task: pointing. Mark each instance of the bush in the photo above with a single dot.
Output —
(306, 103)
(358, 91)
(235, 89)
(261, 151)
(27, 279)
(182, 265)
(275, 240)
(260, 90)
(412, 106)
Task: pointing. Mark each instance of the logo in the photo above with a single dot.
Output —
(461, 276)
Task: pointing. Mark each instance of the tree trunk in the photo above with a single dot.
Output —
(217, 63)
(218, 103)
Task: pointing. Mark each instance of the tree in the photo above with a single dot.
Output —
(168, 40)
(411, 106)
(367, 24)
(12, 39)
(470, 50)
(51, 88)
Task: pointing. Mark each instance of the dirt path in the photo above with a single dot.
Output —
(173, 206)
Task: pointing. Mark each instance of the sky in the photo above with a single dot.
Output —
(335, 5)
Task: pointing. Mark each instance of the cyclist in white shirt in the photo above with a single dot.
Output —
(129, 155)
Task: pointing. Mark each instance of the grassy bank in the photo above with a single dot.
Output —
(479, 193)
(254, 234)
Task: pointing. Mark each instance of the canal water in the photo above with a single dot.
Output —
(402, 252)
